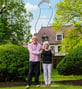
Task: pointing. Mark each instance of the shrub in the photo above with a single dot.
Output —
(13, 62)
(72, 63)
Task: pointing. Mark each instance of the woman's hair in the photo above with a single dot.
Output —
(45, 42)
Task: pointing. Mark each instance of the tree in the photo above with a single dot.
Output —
(71, 64)
(14, 22)
(69, 12)
(14, 63)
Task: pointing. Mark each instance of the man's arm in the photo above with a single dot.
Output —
(33, 52)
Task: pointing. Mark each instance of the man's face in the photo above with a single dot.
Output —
(34, 40)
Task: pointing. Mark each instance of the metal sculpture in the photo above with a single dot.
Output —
(44, 1)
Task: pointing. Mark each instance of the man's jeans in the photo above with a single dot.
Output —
(33, 66)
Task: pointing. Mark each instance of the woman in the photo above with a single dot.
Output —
(46, 54)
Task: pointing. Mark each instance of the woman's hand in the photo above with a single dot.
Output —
(40, 51)
(52, 51)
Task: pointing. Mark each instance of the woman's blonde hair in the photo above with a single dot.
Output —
(45, 42)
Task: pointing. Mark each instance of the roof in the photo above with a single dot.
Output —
(51, 33)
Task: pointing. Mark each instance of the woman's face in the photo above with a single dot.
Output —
(46, 46)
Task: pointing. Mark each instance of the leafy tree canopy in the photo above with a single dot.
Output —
(14, 22)
(69, 12)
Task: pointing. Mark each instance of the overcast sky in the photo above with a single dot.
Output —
(46, 12)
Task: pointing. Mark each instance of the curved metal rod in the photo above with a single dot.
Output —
(37, 19)
(50, 17)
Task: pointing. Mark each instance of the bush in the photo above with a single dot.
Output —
(13, 62)
(72, 63)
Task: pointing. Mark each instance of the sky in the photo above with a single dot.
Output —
(46, 13)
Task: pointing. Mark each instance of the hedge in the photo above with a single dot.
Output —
(13, 62)
(72, 63)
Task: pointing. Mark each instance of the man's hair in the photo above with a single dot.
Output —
(34, 37)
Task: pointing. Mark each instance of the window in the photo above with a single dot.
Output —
(59, 37)
(44, 39)
(52, 47)
(59, 48)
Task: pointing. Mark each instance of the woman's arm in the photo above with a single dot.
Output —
(41, 51)
(52, 51)
(41, 54)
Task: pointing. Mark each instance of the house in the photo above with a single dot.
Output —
(53, 36)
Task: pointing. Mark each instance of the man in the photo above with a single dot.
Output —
(34, 61)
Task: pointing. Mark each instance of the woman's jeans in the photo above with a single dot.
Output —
(47, 67)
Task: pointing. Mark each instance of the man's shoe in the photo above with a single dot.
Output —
(27, 87)
(37, 85)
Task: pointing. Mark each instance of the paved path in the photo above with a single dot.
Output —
(50, 86)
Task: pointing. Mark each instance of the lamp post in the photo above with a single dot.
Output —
(49, 3)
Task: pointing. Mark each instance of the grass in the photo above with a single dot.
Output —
(58, 87)
(56, 76)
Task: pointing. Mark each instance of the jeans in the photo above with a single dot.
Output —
(47, 67)
(33, 66)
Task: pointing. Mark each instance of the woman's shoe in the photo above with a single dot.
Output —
(49, 85)
(46, 85)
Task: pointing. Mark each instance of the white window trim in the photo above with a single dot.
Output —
(59, 34)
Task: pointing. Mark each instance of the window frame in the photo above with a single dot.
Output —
(45, 37)
(58, 48)
(59, 35)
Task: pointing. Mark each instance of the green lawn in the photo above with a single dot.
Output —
(56, 76)
(58, 87)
